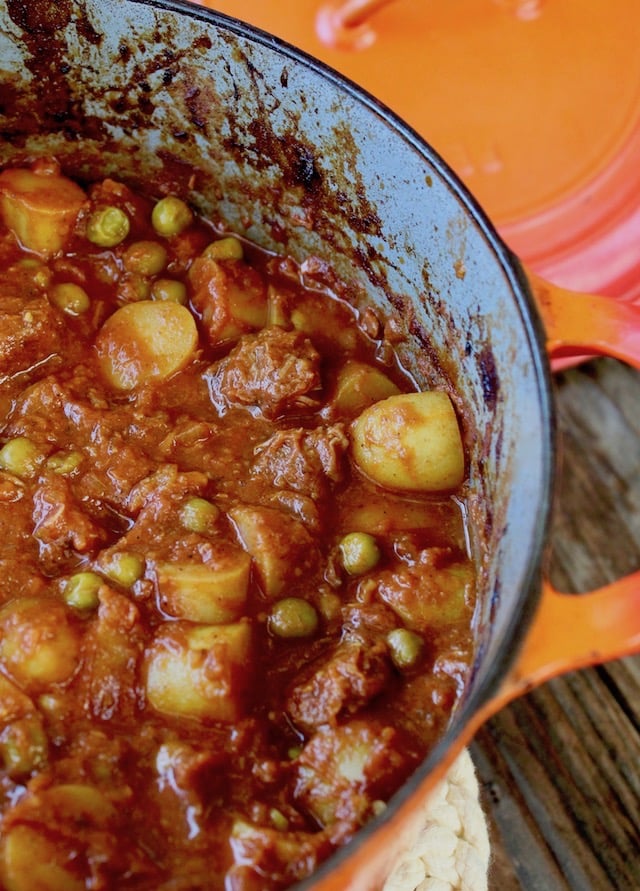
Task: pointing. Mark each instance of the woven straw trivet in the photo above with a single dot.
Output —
(451, 852)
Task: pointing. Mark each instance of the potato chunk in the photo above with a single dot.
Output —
(280, 545)
(14, 704)
(146, 341)
(431, 594)
(39, 207)
(32, 858)
(78, 803)
(199, 671)
(30, 861)
(344, 770)
(204, 593)
(410, 442)
(38, 644)
(287, 856)
(358, 386)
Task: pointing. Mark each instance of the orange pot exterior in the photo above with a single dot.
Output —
(578, 324)
(574, 631)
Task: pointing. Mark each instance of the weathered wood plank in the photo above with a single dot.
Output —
(520, 856)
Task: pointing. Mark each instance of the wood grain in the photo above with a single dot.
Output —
(560, 768)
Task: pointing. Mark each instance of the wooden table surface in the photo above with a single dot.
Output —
(560, 768)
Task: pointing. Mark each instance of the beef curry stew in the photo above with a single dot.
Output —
(236, 606)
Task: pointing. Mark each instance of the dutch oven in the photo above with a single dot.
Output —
(287, 152)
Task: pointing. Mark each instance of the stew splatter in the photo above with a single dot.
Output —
(236, 600)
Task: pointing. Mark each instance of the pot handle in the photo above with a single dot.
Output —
(578, 324)
(574, 631)
(571, 631)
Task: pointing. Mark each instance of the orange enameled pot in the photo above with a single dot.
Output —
(274, 145)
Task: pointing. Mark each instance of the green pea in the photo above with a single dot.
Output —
(359, 552)
(124, 568)
(171, 216)
(21, 456)
(405, 647)
(278, 819)
(145, 257)
(108, 226)
(198, 514)
(64, 463)
(81, 590)
(24, 746)
(301, 321)
(102, 770)
(50, 703)
(229, 248)
(70, 298)
(134, 287)
(169, 289)
(293, 617)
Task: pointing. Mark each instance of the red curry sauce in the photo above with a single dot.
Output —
(223, 645)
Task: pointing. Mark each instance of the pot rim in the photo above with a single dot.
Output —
(527, 599)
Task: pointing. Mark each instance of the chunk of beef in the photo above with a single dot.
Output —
(16, 528)
(286, 857)
(111, 651)
(164, 488)
(434, 591)
(364, 623)
(38, 413)
(30, 332)
(341, 684)
(283, 550)
(60, 523)
(301, 460)
(343, 771)
(61, 415)
(116, 462)
(155, 502)
(273, 371)
(299, 506)
(230, 295)
(189, 779)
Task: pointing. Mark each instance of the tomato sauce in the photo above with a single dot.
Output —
(236, 599)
